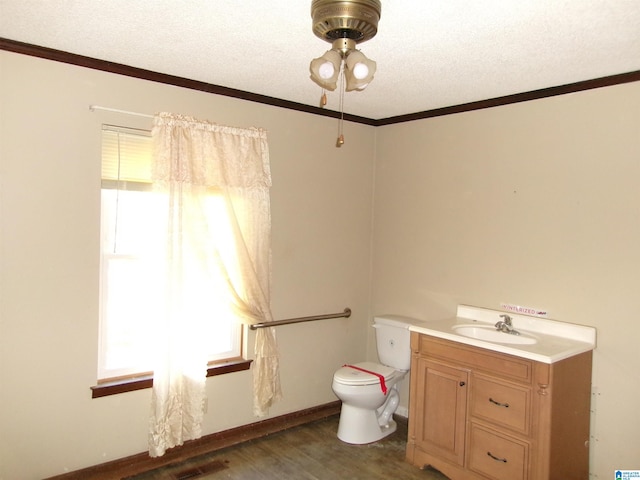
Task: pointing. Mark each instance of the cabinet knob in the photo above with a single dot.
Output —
(462, 384)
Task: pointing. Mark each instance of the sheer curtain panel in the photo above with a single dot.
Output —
(216, 182)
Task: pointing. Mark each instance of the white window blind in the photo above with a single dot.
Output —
(126, 157)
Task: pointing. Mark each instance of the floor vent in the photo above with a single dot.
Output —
(196, 472)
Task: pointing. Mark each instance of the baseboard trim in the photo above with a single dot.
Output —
(141, 462)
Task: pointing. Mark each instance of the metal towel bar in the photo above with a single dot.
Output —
(346, 314)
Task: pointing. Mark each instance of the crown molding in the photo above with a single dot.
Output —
(120, 69)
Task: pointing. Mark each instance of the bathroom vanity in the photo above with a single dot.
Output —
(486, 404)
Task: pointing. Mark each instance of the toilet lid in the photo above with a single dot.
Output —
(351, 376)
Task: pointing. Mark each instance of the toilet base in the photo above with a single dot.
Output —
(358, 426)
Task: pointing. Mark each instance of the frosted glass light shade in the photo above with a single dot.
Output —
(359, 71)
(325, 69)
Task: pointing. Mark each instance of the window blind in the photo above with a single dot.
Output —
(126, 157)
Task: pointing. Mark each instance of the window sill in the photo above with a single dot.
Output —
(139, 383)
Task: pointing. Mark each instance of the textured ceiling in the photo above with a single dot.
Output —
(430, 54)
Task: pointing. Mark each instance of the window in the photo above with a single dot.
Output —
(133, 220)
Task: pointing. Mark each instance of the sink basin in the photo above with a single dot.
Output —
(490, 334)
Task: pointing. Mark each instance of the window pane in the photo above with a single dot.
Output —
(127, 331)
(132, 225)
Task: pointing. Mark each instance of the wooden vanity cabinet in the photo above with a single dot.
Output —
(479, 414)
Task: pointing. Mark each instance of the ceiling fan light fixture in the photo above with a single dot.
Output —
(359, 71)
(344, 24)
(325, 69)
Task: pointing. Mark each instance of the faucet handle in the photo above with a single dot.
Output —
(507, 319)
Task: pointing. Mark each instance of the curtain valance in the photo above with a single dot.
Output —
(220, 156)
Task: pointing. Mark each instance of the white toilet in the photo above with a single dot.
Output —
(367, 411)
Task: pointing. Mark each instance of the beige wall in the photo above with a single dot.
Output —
(535, 204)
(49, 207)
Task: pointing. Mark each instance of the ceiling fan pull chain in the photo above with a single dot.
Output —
(340, 140)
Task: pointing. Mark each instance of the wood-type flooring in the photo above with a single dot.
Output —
(307, 452)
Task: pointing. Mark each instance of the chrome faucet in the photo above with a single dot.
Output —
(506, 326)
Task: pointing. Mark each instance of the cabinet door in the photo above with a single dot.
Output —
(441, 409)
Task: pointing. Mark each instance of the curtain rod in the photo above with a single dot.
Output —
(345, 314)
(93, 108)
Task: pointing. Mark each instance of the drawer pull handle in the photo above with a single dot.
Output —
(497, 459)
(505, 405)
(462, 384)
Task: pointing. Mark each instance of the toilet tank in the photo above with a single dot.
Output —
(393, 340)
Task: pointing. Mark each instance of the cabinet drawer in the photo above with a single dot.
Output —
(497, 456)
(478, 359)
(501, 403)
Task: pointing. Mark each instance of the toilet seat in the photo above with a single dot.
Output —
(351, 376)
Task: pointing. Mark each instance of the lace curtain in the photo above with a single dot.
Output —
(194, 163)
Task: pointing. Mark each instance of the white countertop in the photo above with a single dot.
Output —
(555, 340)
